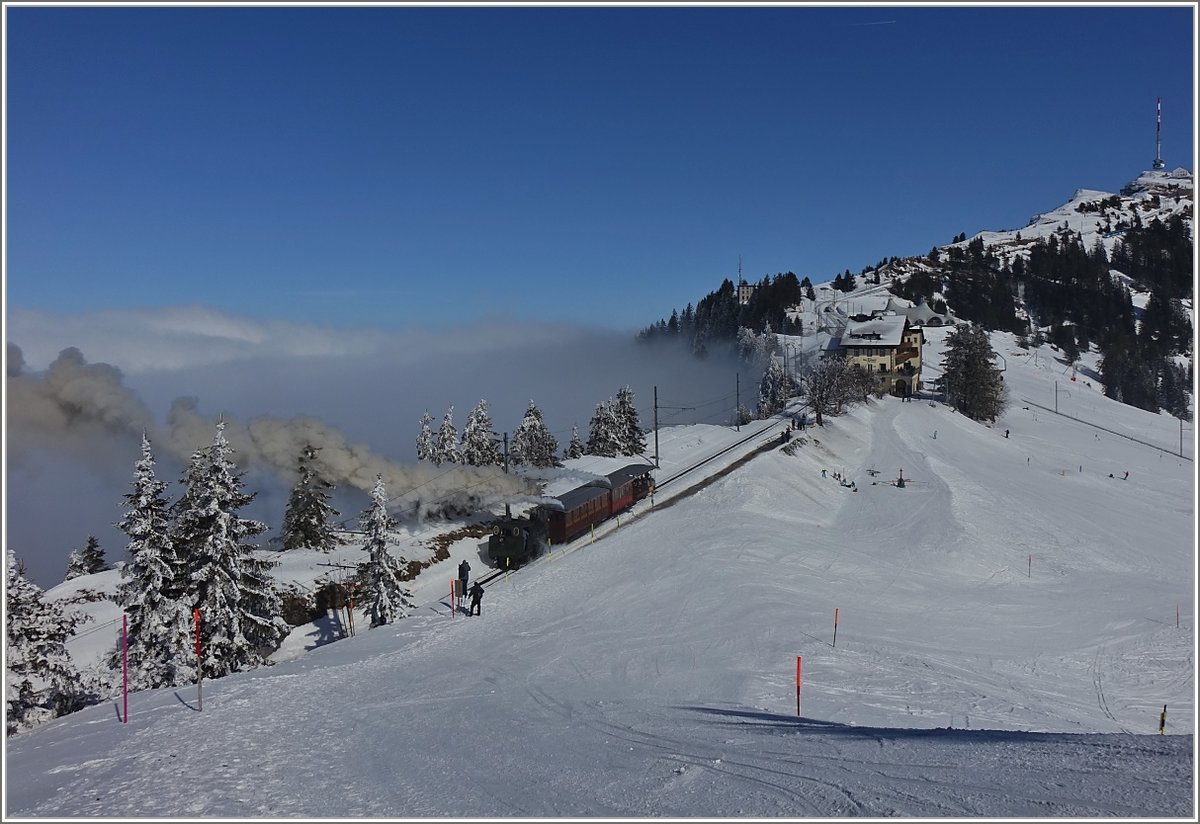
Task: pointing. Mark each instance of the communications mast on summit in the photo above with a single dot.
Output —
(1158, 161)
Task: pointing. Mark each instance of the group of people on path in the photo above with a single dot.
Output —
(846, 482)
(476, 590)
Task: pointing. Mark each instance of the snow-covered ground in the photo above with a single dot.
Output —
(1006, 641)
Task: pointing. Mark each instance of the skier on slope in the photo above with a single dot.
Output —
(476, 597)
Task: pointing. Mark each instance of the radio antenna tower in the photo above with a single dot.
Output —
(1158, 161)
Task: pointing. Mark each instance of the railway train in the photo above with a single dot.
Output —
(559, 519)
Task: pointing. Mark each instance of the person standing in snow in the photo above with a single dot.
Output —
(464, 573)
(476, 597)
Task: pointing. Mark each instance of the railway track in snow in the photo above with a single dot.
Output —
(736, 444)
(770, 439)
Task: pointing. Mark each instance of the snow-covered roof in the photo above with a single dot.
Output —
(575, 497)
(886, 330)
(923, 313)
(589, 469)
(628, 472)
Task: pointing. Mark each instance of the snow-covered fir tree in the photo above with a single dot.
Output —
(426, 449)
(380, 574)
(40, 680)
(445, 446)
(240, 610)
(748, 348)
(479, 438)
(308, 520)
(768, 343)
(575, 447)
(532, 443)
(773, 389)
(755, 349)
(604, 432)
(1173, 395)
(632, 439)
(86, 561)
(970, 378)
(826, 386)
(151, 594)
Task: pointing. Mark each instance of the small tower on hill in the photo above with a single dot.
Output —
(744, 290)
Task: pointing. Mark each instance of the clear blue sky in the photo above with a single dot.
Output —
(391, 166)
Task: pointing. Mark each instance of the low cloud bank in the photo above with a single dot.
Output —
(360, 401)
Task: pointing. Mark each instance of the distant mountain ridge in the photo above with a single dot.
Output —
(1107, 270)
(1105, 216)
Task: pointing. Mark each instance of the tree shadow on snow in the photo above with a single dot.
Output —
(327, 629)
(776, 723)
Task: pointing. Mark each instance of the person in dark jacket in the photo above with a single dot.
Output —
(476, 597)
(464, 573)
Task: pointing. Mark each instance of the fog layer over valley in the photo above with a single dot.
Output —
(74, 421)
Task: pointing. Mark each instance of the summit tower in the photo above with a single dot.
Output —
(1158, 161)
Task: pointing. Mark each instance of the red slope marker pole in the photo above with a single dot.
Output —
(1029, 572)
(199, 663)
(797, 686)
(835, 623)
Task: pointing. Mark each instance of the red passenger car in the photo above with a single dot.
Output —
(573, 513)
(629, 485)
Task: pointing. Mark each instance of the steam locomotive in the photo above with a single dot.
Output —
(558, 520)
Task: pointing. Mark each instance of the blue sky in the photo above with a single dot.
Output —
(398, 166)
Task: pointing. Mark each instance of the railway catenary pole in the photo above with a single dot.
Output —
(737, 402)
(656, 466)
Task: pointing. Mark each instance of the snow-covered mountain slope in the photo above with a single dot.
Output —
(1103, 216)
(1006, 642)
(1089, 214)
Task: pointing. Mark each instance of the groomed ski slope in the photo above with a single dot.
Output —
(652, 673)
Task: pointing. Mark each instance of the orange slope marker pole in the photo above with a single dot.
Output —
(797, 686)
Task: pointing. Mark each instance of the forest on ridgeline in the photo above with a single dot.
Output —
(1057, 289)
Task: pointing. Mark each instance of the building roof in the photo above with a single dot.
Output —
(879, 331)
(922, 314)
